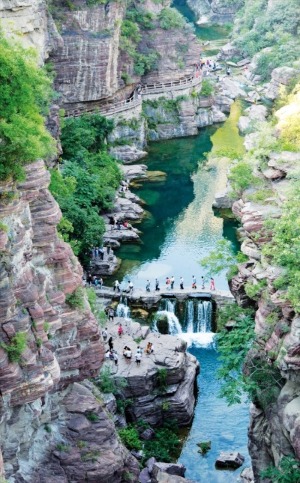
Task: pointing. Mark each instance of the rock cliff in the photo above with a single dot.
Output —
(214, 11)
(42, 405)
(274, 427)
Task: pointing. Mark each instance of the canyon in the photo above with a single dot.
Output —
(56, 424)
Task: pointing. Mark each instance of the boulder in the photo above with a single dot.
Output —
(147, 434)
(247, 475)
(222, 200)
(144, 476)
(127, 153)
(229, 460)
(169, 468)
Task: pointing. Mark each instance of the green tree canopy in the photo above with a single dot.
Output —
(25, 91)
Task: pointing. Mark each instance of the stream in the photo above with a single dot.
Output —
(179, 229)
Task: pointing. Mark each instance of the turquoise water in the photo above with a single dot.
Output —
(179, 228)
(217, 35)
(225, 427)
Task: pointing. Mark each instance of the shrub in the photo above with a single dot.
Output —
(287, 471)
(207, 88)
(241, 177)
(222, 258)
(170, 18)
(25, 91)
(76, 299)
(97, 310)
(161, 378)
(253, 290)
(164, 445)
(16, 347)
(108, 384)
(93, 417)
(130, 438)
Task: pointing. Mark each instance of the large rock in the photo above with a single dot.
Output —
(169, 468)
(229, 459)
(127, 153)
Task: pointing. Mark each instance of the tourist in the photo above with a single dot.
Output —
(138, 357)
(181, 283)
(168, 282)
(104, 334)
(108, 247)
(212, 284)
(130, 286)
(100, 282)
(148, 349)
(194, 282)
(127, 353)
(96, 281)
(110, 343)
(89, 279)
(202, 283)
(148, 286)
(101, 253)
(172, 282)
(139, 349)
(157, 285)
(111, 355)
(116, 358)
(107, 354)
(116, 286)
(120, 330)
(228, 71)
(96, 252)
(111, 314)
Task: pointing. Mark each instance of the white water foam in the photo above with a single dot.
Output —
(199, 339)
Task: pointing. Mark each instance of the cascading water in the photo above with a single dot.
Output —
(198, 317)
(167, 313)
(122, 309)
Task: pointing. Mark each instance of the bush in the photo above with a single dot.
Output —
(108, 384)
(130, 438)
(161, 378)
(97, 310)
(288, 471)
(170, 18)
(207, 88)
(76, 299)
(16, 347)
(241, 177)
(25, 91)
(253, 290)
(222, 258)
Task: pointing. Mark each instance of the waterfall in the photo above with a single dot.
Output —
(189, 318)
(167, 313)
(198, 315)
(122, 309)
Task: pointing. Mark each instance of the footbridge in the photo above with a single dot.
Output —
(143, 92)
(220, 297)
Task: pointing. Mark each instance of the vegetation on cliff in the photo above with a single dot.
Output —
(270, 29)
(87, 182)
(25, 91)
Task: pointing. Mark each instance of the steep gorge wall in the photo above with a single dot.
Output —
(43, 406)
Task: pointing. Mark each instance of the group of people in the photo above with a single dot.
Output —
(118, 224)
(117, 287)
(170, 281)
(92, 280)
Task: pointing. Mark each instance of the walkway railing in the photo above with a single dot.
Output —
(136, 99)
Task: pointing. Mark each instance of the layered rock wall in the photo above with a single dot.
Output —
(43, 413)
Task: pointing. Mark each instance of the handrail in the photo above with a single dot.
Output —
(136, 99)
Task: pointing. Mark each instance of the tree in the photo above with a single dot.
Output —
(25, 91)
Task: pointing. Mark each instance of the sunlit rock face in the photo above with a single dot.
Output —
(30, 23)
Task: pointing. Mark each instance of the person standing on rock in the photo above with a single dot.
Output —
(172, 282)
(194, 282)
(116, 286)
(104, 334)
(202, 283)
(100, 281)
(111, 314)
(148, 286)
(108, 247)
(212, 284)
(120, 330)
(181, 283)
(101, 253)
(157, 285)
(130, 285)
(138, 357)
(110, 343)
(116, 358)
(168, 282)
